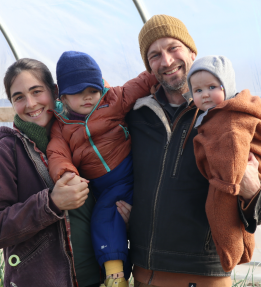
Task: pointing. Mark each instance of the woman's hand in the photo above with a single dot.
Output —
(250, 183)
(67, 197)
(124, 209)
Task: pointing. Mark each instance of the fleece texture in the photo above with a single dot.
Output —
(227, 134)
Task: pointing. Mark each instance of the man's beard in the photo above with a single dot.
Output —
(178, 85)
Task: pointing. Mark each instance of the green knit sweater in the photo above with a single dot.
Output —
(34, 132)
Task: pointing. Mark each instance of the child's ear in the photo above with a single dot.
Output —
(63, 98)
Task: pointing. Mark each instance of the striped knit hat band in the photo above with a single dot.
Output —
(160, 26)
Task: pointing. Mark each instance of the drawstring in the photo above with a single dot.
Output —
(190, 128)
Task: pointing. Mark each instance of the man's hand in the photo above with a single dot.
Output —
(250, 183)
(124, 209)
(69, 197)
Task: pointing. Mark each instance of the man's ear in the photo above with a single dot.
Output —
(193, 56)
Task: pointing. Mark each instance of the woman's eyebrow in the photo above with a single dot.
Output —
(32, 88)
(35, 87)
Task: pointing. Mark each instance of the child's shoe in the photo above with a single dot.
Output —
(118, 282)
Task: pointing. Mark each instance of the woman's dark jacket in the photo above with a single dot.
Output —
(30, 224)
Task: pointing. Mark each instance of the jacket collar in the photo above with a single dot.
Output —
(162, 99)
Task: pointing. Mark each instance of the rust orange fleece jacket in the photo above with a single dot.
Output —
(226, 136)
(74, 144)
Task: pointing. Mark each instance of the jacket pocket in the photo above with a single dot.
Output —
(39, 246)
(180, 151)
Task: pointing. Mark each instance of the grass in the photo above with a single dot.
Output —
(2, 268)
(246, 281)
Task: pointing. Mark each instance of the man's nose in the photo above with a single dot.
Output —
(167, 59)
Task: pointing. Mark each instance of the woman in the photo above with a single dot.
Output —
(33, 233)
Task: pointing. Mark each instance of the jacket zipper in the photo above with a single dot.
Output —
(161, 175)
(89, 134)
(26, 256)
(180, 151)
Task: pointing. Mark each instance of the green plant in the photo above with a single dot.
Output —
(244, 282)
(2, 268)
(131, 281)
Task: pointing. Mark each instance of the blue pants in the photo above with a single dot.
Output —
(109, 236)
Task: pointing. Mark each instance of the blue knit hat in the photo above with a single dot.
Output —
(76, 71)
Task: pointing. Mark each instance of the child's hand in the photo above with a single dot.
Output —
(76, 180)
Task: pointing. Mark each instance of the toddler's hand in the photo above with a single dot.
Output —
(76, 180)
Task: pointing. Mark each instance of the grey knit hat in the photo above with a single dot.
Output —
(221, 68)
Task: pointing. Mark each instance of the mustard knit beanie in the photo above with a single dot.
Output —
(160, 26)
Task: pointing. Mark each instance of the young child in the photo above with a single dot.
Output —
(90, 138)
(228, 130)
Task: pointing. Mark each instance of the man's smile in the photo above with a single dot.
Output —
(173, 71)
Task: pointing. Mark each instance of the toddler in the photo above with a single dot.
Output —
(228, 130)
(90, 138)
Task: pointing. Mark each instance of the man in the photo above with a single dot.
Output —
(171, 242)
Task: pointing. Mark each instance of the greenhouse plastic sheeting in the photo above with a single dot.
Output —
(108, 31)
(43, 30)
